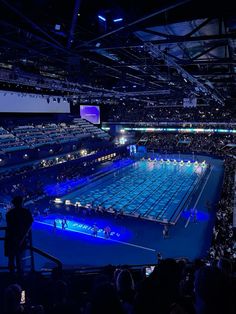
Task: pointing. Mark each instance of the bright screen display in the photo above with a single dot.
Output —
(16, 102)
(90, 113)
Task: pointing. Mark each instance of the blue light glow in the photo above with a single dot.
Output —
(201, 215)
(79, 226)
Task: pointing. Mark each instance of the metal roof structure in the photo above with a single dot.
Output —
(153, 51)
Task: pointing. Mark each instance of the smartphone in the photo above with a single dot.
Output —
(22, 300)
(149, 270)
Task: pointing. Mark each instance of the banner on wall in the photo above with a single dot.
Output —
(32, 103)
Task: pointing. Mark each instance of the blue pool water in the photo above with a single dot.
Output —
(153, 190)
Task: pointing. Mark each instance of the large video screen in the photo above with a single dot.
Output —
(16, 102)
(90, 113)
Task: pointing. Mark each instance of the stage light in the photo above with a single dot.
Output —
(122, 140)
(120, 19)
(58, 201)
(83, 152)
(102, 18)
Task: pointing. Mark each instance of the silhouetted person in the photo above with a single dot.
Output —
(213, 291)
(104, 300)
(126, 289)
(12, 298)
(65, 223)
(60, 299)
(107, 232)
(54, 225)
(159, 257)
(19, 221)
(165, 232)
(95, 230)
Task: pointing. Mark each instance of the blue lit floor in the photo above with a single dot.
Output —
(84, 226)
(134, 241)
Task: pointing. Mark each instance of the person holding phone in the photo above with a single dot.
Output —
(14, 299)
(16, 302)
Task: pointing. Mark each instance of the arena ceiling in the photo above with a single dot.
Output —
(155, 52)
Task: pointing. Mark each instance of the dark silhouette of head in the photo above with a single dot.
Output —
(12, 297)
(17, 201)
(212, 291)
(105, 300)
(60, 291)
(124, 281)
(225, 266)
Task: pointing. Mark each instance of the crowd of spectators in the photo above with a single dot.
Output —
(141, 113)
(223, 243)
(62, 173)
(187, 143)
(173, 286)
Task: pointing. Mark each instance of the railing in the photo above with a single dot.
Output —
(32, 250)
